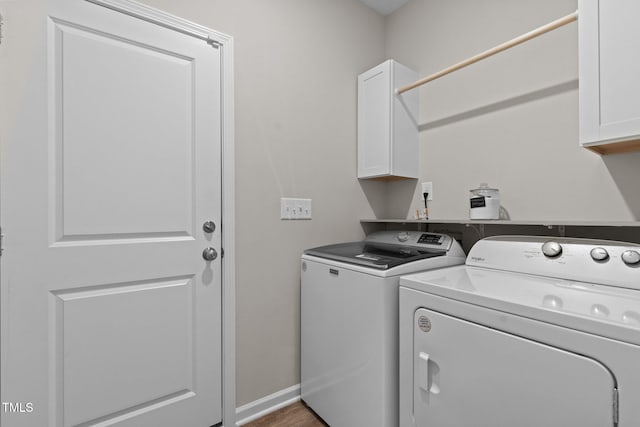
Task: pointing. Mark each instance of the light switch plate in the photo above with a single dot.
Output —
(295, 208)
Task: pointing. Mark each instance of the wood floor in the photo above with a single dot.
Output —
(295, 415)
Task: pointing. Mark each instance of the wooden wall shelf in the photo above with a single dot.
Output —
(506, 222)
(469, 231)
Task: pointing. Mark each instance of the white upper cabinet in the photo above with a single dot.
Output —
(609, 74)
(387, 123)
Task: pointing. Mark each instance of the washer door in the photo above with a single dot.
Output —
(467, 375)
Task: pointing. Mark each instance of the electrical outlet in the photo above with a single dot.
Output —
(427, 187)
(295, 208)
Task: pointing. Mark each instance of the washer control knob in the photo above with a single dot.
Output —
(631, 257)
(403, 237)
(599, 254)
(551, 249)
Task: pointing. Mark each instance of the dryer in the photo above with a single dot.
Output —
(529, 333)
(349, 322)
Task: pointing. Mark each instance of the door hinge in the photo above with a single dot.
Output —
(1, 241)
(1, 22)
(615, 406)
(212, 42)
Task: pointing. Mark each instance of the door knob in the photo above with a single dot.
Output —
(209, 254)
(209, 227)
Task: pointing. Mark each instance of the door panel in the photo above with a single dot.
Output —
(110, 313)
(125, 134)
(157, 346)
(467, 375)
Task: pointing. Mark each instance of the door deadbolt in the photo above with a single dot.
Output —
(209, 227)
(209, 254)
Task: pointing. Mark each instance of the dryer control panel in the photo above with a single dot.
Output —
(595, 261)
(416, 239)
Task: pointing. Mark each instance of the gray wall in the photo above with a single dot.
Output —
(510, 120)
(296, 63)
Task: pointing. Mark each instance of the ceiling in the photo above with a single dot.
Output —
(384, 7)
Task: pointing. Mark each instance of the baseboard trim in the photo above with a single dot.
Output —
(261, 407)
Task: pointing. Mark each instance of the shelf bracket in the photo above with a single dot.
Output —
(561, 231)
(479, 229)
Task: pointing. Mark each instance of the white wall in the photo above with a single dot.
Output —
(510, 120)
(296, 63)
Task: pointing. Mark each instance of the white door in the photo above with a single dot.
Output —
(110, 314)
(468, 375)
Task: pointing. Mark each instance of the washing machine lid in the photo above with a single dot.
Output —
(597, 309)
(379, 256)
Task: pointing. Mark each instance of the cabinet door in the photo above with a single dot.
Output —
(387, 123)
(609, 69)
(374, 122)
(468, 375)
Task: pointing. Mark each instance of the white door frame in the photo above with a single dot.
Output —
(224, 43)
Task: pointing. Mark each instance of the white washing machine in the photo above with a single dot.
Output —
(528, 333)
(349, 322)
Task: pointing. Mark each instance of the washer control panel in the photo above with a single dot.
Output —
(414, 239)
(593, 261)
(431, 239)
(423, 238)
